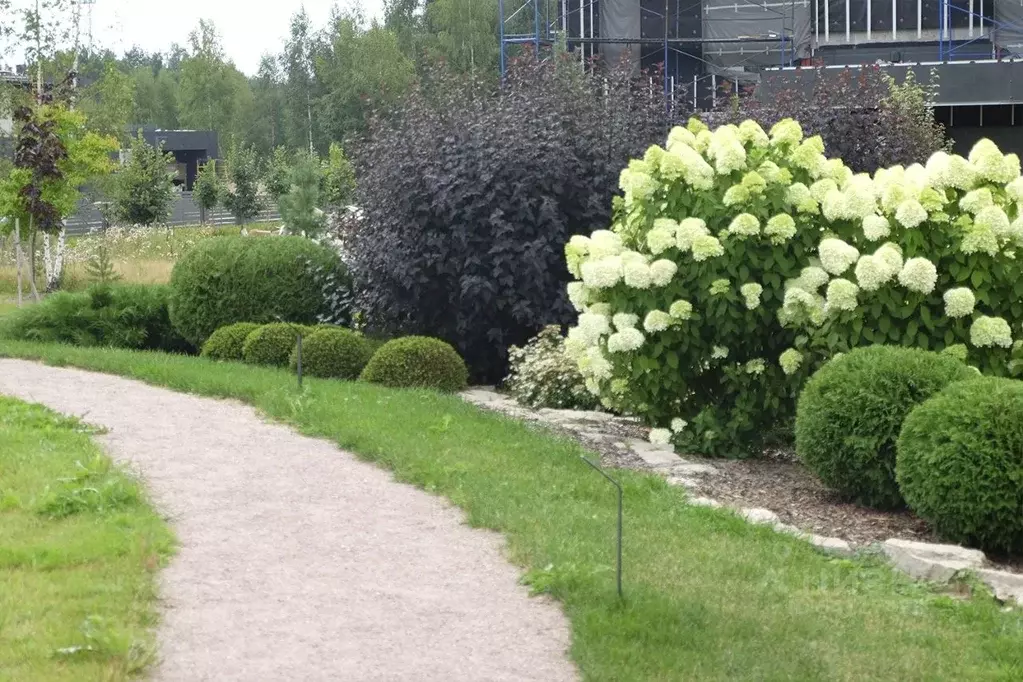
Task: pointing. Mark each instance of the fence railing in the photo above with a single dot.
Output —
(184, 211)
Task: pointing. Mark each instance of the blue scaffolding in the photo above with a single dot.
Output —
(542, 23)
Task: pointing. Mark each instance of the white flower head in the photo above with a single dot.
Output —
(624, 321)
(797, 194)
(719, 286)
(662, 271)
(786, 132)
(891, 255)
(872, 272)
(744, 225)
(719, 352)
(680, 135)
(736, 195)
(756, 366)
(625, 340)
(688, 230)
(976, 200)
(637, 275)
(988, 162)
(602, 273)
(681, 310)
(1014, 190)
(876, 228)
(919, 274)
(706, 246)
(591, 328)
(836, 256)
(979, 238)
(836, 206)
(750, 132)
(988, 332)
(605, 243)
(780, 228)
(790, 361)
(819, 190)
(678, 425)
(662, 235)
(657, 321)
(910, 213)
(993, 218)
(751, 292)
(841, 295)
(660, 436)
(811, 279)
(578, 295)
(959, 302)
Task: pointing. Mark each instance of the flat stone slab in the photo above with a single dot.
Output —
(654, 455)
(833, 545)
(694, 469)
(759, 516)
(1005, 585)
(704, 502)
(933, 562)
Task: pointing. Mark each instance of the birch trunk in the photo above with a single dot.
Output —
(53, 260)
(17, 255)
(32, 261)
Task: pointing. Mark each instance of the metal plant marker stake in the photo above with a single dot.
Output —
(617, 485)
(298, 358)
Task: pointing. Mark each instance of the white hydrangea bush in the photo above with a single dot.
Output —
(740, 259)
(922, 256)
(680, 300)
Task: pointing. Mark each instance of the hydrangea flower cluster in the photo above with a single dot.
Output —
(828, 252)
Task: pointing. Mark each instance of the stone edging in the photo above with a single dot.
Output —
(617, 437)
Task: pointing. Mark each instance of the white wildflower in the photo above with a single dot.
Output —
(637, 275)
(602, 273)
(780, 228)
(750, 132)
(756, 366)
(678, 424)
(719, 352)
(662, 235)
(993, 218)
(910, 213)
(872, 272)
(605, 243)
(977, 199)
(688, 230)
(735, 195)
(786, 132)
(592, 327)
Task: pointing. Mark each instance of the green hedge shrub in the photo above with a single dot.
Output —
(246, 279)
(226, 343)
(417, 362)
(120, 316)
(738, 261)
(850, 413)
(960, 463)
(272, 344)
(333, 353)
(542, 374)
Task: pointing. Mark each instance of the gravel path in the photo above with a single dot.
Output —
(299, 562)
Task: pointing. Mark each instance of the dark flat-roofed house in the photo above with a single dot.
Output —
(191, 149)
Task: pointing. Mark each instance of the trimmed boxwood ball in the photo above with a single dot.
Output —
(271, 344)
(417, 362)
(226, 343)
(333, 353)
(960, 463)
(247, 279)
(850, 412)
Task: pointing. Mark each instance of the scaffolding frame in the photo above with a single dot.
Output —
(547, 28)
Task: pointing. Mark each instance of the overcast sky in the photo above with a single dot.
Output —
(248, 27)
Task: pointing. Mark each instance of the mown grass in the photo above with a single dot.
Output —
(707, 596)
(79, 549)
(140, 255)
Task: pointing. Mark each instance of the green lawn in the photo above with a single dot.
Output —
(708, 597)
(79, 549)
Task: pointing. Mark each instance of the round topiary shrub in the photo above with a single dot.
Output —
(417, 362)
(246, 279)
(333, 353)
(850, 413)
(271, 344)
(960, 463)
(226, 343)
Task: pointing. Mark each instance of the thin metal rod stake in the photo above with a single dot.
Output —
(616, 484)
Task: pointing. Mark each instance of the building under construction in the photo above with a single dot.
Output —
(975, 47)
